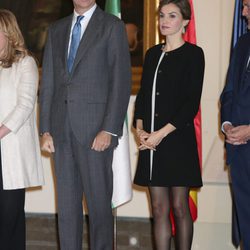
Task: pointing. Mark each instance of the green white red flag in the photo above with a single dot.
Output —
(122, 186)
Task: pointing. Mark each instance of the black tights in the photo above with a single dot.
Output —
(160, 201)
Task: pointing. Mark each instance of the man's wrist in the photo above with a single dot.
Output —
(110, 133)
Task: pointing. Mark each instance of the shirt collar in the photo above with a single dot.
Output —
(87, 14)
(248, 62)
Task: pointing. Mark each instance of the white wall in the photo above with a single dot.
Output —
(214, 25)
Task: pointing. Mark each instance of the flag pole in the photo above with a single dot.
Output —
(122, 188)
(115, 228)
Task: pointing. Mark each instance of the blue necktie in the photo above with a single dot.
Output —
(75, 40)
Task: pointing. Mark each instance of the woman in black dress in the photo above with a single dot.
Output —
(165, 108)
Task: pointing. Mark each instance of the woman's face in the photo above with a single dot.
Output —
(3, 43)
(171, 21)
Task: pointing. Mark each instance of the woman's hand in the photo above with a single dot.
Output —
(155, 138)
(142, 136)
(4, 131)
(47, 143)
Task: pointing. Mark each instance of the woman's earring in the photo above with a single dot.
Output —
(183, 30)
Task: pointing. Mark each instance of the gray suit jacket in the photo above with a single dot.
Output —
(95, 94)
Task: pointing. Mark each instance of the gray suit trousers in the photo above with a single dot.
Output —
(81, 170)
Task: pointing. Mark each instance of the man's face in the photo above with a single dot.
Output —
(246, 11)
(81, 6)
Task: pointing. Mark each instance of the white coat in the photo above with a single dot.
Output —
(20, 149)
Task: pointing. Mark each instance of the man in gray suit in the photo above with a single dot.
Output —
(83, 101)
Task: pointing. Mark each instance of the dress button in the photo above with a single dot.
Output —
(65, 101)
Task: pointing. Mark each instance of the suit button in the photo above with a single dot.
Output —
(159, 71)
(65, 101)
(157, 93)
(156, 115)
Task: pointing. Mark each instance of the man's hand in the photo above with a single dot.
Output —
(238, 135)
(102, 141)
(227, 127)
(47, 144)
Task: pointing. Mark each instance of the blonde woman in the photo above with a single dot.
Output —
(21, 165)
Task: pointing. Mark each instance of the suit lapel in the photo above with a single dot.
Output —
(89, 35)
(245, 75)
(66, 38)
(62, 41)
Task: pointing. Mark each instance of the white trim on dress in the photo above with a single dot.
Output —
(153, 110)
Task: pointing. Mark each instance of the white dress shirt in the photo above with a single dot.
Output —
(84, 22)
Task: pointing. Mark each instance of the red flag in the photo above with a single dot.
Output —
(190, 36)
